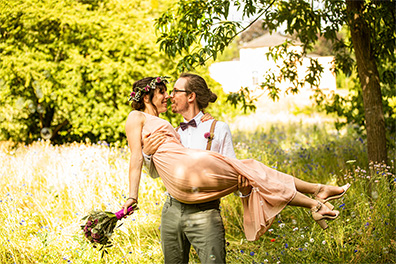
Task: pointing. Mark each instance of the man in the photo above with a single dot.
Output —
(200, 225)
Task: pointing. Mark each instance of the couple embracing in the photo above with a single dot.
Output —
(196, 178)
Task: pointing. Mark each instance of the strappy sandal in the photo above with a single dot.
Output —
(319, 218)
(345, 188)
(337, 196)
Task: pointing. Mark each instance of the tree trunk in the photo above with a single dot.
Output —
(369, 79)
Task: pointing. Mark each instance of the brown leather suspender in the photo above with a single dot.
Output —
(212, 128)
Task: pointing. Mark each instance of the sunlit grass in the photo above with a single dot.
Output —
(45, 190)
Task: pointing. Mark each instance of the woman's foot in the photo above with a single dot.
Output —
(320, 213)
(326, 193)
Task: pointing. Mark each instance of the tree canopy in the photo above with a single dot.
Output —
(67, 66)
(198, 30)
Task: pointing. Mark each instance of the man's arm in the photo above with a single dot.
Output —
(226, 146)
(150, 146)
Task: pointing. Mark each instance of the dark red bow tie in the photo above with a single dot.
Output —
(184, 125)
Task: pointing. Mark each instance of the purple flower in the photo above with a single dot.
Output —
(133, 94)
(252, 253)
(147, 88)
(158, 79)
(207, 135)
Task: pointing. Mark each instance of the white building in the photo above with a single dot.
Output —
(253, 65)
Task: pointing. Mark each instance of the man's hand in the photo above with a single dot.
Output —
(244, 185)
(151, 142)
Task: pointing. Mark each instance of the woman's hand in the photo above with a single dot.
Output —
(129, 202)
(151, 142)
(206, 117)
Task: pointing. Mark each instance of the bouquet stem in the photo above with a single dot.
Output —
(120, 214)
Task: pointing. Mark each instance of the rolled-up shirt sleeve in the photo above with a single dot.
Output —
(149, 164)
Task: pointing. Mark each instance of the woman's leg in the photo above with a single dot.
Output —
(304, 201)
(324, 192)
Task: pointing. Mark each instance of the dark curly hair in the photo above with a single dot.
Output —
(139, 105)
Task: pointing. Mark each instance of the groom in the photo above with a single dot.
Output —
(199, 225)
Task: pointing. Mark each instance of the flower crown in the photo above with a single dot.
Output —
(136, 96)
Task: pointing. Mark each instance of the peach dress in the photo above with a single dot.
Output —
(198, 176)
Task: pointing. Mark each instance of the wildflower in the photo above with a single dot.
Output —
(295, 229)
(252, 253)
(282, 225)
(311, 240)
(342, 205)
(355, 251)
(306, 244)
(273, 240)
(242, 251)
(324, 242)
(286, 245)
(302, 236)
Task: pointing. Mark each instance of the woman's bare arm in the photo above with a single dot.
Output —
(133, 129)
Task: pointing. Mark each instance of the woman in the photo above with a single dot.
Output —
(193, 176)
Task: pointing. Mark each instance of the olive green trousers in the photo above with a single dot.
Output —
(199, 225)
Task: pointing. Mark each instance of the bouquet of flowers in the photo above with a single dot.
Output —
(100, 226)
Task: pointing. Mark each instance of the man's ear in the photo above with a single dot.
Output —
(191, 97)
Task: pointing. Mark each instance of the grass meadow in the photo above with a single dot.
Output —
(45, 190)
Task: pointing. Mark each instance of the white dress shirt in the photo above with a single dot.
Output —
(193, 137)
